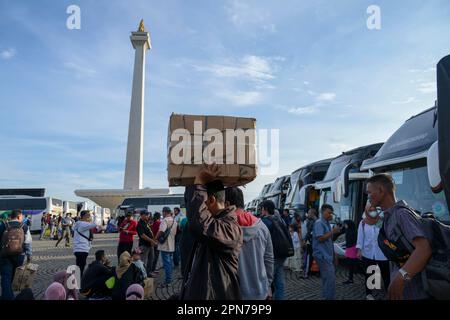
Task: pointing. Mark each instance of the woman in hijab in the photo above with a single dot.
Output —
(62, 278)
(124, 264)
(127, 273)
(368, 249)
(351, 253)
(135, 292)
(55, 291)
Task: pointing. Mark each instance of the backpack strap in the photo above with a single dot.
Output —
(408, 245)
(83, 235)
(363, 226)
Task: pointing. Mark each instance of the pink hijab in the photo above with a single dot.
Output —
(62, 277)
(135, 292)
(55, 291)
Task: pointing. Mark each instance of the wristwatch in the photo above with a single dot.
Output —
(404, 274)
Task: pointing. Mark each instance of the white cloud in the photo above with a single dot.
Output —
(250, 67)
(326, 97)
(242, 15)
(256, 72)
(271, 28)
(303, 110)
(424, 70)
(7, 53)
(242, 98)
(80, 71)
(427, 87)
(406, 101)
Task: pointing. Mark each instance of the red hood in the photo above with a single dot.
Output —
(244, 218)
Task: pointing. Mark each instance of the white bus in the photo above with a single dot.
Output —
(33, 207)
(152, 204)
(70, 207)
(106, 214)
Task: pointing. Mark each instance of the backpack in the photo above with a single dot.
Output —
(281, 239)
(436, 275)
(12, 240)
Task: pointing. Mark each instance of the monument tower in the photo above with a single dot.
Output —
(133, 181)
(135, 147)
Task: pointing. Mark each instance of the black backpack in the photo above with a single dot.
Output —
(281, 239)
(436, 275)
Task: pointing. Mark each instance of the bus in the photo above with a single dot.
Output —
(261, 197)
(409, 156)
(301, 195)
(152, 203)
(70, 207)
(106, 215)
(344, 184)
(31, 206)
(278, 190)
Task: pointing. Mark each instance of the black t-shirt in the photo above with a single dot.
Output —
(144, 228)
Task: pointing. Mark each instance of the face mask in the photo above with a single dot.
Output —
(373, 214)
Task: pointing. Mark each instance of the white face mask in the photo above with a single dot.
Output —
(373, 214)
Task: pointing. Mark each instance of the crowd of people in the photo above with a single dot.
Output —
(227, 253)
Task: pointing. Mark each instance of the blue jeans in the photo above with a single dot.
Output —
(278, 279)
(328, 276)
(7, 270)
(167, 258)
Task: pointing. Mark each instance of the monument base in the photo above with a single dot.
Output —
(111, 198)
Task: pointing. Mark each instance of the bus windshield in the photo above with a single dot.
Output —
(144, 202)
(413, 187)
(336, 167)
(293, 186)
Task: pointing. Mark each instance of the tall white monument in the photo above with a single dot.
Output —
(111, 198)
(135, 148)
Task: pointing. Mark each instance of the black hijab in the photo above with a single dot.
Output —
(351, 233)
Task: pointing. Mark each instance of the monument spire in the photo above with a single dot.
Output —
(135, 147)
(141, 26)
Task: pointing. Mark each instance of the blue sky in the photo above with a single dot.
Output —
(309, 68)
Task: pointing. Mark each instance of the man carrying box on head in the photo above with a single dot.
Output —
(212, 270)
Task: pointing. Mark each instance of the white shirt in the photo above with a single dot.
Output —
(81, 244)
(169, 245)
(368, 242)
(296, 240)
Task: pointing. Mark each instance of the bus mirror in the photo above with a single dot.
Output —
(344, 179)
(434, 176)
(336, 190)
(302, 195)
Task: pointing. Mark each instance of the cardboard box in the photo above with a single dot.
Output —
(230, 142)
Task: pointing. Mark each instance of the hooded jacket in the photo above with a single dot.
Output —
(212, 270)
(94, 279)
(256, 261)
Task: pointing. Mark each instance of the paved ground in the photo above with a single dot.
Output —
(52, 260)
